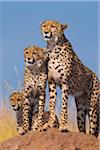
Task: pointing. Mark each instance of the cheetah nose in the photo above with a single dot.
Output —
(13, 105)
(33, 61)
(46, 32)
(28, 58)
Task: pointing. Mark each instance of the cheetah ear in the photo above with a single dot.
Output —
(42, 22)
(44, 51)
(26, 48)
(64, 26)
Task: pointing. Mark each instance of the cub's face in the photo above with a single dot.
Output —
(51, 30)
(16, 100)
(34, 55)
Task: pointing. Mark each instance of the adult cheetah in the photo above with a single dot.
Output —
(66, 70)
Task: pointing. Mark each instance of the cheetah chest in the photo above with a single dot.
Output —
(32, 81)
(55, 70)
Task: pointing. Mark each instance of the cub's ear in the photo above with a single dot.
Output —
(64, 26)
(26, 48)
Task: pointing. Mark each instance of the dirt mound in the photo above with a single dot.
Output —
(51, 140)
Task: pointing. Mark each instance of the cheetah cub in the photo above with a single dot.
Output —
(17, 103)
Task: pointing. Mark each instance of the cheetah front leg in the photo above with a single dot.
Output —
(52, 117)
(26, 109)
(20, 122)
(26, 117)
(39, 122)
(64, 115)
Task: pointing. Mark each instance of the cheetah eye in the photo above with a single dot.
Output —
(11, 99)
(34, 53)
(18, 99)
(44, 26)
(26, 52)
(52, 26)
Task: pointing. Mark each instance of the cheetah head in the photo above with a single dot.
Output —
(52, 30)
(34, 56)
(16, 99)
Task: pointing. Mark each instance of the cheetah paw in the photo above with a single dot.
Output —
(34, 127)
(49, 125)
(63, 128)
(37, 125)
(45, 126)
(21, 131)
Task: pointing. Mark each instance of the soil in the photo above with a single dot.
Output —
(51, 139)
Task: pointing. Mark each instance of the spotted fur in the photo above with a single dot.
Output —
(17, 103)
(35, 77)
(66, 70)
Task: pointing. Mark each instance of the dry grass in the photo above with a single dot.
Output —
(7, 124)
(7, 117)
